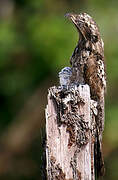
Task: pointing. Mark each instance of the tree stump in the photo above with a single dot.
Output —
(70, 129)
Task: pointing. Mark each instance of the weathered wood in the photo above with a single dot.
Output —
(70, 134)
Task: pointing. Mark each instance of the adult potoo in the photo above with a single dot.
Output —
(88, 68)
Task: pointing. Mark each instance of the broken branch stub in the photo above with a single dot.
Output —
(69, 144)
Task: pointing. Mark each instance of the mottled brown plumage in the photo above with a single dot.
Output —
(88, 68)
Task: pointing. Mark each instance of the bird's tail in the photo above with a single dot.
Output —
(99, 160)
(101, 115)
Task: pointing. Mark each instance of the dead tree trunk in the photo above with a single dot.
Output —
(70, 134)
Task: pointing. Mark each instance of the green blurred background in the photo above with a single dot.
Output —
(36, 41)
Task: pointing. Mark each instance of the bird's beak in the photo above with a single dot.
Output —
(71, 17)
(77, 22)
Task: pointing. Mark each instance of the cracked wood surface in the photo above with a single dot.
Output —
(69, 135)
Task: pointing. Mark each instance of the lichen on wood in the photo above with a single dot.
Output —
(69, 133)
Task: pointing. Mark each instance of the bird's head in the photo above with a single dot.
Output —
(86, 26)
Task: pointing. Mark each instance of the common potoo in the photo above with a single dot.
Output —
(88, 68)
